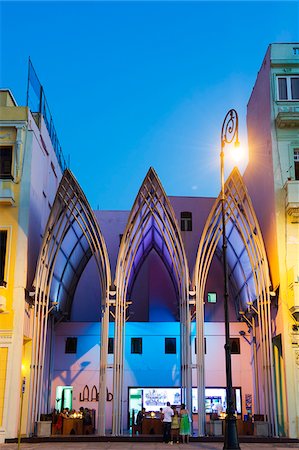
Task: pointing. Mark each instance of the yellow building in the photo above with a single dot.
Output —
(29, 175)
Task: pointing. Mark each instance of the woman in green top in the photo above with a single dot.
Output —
(184, 424)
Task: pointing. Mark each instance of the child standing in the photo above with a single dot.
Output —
(175, 427)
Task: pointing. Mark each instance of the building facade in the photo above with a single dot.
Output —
(29, 177)
(272, 179)
(165, 293)
(115, 310)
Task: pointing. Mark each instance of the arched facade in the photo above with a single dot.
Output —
(151, 224)
(72, 236)
(249, 273)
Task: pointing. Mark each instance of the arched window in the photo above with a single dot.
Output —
(186, 221)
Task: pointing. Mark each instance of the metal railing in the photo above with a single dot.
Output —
(37, 102)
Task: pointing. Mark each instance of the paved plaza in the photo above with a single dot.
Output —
(143, 446)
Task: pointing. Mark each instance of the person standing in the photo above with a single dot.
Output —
(184, 424)
(175, 426)
(139, 420)
(167, 413)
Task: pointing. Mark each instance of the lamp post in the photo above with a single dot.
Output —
(229, 132)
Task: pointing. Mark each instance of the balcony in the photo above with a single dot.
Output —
(293, 292)
(13, 114)
(295, 308)
(6, 192)
(292, 199)
(287, 117)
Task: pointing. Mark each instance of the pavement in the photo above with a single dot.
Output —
(144, 446)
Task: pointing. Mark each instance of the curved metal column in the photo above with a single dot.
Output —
(240, 214)
(152, 220)
(118, 366)
(72, 216)
(103, 369)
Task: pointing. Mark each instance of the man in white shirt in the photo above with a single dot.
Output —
(167, 414)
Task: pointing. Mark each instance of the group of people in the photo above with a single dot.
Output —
(66, 413)
(176, 424)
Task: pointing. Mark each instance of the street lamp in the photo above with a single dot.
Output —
(229, 132)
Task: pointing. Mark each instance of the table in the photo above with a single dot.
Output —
(72, 426)
(152, 426)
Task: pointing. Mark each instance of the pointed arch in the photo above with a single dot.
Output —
(151, 224)
(72, 236)
(248, 268)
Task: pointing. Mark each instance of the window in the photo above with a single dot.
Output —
(212, 297)
(234, 346)
(288, 88)
(136, 345)
(170, 345)
(186, 221)
(195, 346)
(296, 163)
(5, 162)
(3, 242)
(110, 345)
(71, 345)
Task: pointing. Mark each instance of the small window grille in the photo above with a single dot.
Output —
(212, 297)
(234, 346)
(170, 345)
(186, 221)
(136, 345)
(71, 345)
(110, 345)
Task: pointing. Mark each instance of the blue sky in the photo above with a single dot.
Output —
(137, 84)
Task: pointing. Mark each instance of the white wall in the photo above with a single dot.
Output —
(150, 369)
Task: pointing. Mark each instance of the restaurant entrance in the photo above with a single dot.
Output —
(64, 398)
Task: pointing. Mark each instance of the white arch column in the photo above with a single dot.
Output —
(244, 228)
(72, 236)
(151, 225)
(118, 364)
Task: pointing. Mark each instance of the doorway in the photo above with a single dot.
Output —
(64, 398)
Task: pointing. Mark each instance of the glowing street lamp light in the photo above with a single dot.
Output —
(229, 132)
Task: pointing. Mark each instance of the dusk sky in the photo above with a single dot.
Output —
(137, 84)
